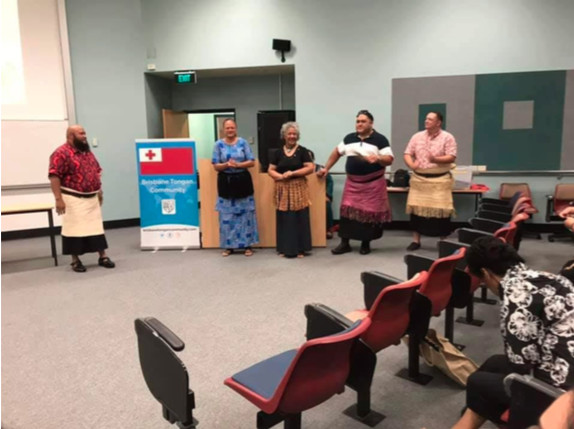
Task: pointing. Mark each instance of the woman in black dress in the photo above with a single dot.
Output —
(288, 167)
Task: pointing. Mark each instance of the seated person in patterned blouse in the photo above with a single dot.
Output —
(537, 325)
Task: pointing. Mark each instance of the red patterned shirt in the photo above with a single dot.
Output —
(77, 170)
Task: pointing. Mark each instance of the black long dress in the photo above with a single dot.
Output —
(293, 227)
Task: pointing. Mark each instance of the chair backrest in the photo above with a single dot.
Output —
(507, 232)
(438, 286)
(319, 370)
(390, 313)
(164, 373)
(507, 190)
(563, 196)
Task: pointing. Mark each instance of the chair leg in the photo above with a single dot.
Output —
(483, 297)
(449, 323)
(192, 425)
(449, 327)
(412, 373)
(363, 362)
(469, 319)
(267, 421)
(293, 421)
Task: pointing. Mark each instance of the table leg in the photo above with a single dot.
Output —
(52, 236)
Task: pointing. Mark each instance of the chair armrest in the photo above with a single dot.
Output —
(373, 284)
(166, 334)
(460, 289)
(323, 321)
(493, 215)
(416, 264)
(496, 208)
(533, 383)
(486, 225)
(529, 398)
(467, 235)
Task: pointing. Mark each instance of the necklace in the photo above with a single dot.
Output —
(290, 152)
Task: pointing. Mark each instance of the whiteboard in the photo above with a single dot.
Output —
(26, 149)
(34, 123)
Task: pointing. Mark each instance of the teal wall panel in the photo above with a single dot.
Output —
(538, 148)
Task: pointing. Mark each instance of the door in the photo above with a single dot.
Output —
(175, 124)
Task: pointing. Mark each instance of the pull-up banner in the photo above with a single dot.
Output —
(167, 173)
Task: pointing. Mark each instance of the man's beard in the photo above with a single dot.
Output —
(81, 145)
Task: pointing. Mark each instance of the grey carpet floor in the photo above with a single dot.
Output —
(69, 352)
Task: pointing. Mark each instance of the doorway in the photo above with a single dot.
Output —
(207, 127)
(202, 126)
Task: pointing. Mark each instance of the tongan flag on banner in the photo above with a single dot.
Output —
(156, 161)
(169, 214)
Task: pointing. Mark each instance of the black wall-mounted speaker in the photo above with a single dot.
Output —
(282, 45)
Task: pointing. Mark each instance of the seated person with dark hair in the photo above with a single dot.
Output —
(537, 324)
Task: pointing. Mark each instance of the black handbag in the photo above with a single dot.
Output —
(401, 179)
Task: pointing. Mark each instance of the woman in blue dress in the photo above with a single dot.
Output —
(232, 157)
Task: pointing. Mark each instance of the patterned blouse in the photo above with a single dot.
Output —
(240, 152)
(77, 170)
(537, 324)
(422, 146)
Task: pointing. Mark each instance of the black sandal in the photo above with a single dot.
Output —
(106, 262)
(78, 267)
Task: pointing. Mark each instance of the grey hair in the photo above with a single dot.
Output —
(285, 127)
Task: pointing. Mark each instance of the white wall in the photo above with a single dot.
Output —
(108, 63)
(347, 53)
(246, 94)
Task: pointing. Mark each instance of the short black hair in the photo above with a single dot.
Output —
(367, 114)
(493, 254)
(438, 115)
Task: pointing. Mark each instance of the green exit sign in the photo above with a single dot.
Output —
(185, 77)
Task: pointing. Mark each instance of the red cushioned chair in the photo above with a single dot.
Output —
(506, 232)
(445, 248)
(287, 384)
(387, 304)
(503, 203)
(434, 296)
(492, 226)
(507, 190)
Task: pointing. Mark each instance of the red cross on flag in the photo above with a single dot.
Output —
(150, 155)
(165, 161)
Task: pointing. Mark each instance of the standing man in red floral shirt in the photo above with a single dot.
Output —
(75, 178)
